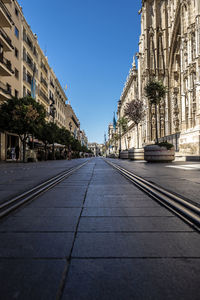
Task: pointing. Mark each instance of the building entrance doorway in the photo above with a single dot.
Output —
(12, 147)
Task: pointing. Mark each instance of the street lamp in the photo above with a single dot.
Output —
(119, 115)
(52, 113)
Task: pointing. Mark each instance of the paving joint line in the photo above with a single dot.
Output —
(68, 260)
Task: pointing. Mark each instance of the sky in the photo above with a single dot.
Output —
(90, 46)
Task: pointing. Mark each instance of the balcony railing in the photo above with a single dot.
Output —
(44, 68)
(5, 88)
(4, 8)
(51, 83)
(6, 63)
(42, 80)
(44, 96)
(5, 36)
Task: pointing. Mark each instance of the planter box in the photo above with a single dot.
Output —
(155, 153)
(136, 154)
(124, 154)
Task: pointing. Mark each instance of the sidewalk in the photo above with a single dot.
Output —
(182, 178)
(95, 236)
(16, 178)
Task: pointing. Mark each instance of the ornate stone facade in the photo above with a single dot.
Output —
(169, 50)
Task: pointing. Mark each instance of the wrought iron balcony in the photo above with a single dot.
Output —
(6, 38)
(44, 96)
(6, 63)
(42, 80)
(6, 89)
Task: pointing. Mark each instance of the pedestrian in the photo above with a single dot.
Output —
(13, 153)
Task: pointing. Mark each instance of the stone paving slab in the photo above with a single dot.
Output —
(112, 189)
(19, 177)
(35, 245)
(30, 279)
(126, 224)
(139, 279)
(63, 192)
(55, 203)
(164, 244)
(32, 223)
(48, 212)
(125, 211)
(180, 181)
(118, 202)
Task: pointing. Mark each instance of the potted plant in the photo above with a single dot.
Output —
(159, 152)
(134, 111)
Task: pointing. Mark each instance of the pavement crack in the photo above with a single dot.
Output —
(68, 260)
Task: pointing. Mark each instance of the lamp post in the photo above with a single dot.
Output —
(52, 113)
(119, 115)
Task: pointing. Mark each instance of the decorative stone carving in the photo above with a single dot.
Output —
(175, 112)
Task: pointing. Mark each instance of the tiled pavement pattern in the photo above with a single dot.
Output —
(16, 178)
(96, 236)
(180, 177)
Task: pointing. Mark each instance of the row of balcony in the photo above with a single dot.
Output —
(30, 44)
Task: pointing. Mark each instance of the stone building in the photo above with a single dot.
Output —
(169, 51)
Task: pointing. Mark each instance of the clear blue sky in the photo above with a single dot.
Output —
(90, 45)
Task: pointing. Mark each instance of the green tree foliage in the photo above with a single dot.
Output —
(123, 125)
(22, 116)
(155, 91)
(48, 133)
(134, 111)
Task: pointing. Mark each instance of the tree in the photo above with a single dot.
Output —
(22, 116)
(155, 91)
(134, 111)
(123, 124)
(48, 134)
(64, 136)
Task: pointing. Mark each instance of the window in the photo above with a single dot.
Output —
(16, 94)
(28, 93)
(16, 32)
(16, 12)
(16, 73)
(24, 91)
(16, 53)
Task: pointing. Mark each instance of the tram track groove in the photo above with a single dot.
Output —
(12, 204)
(187, 211)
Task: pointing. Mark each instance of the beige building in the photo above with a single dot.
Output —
(96, 148)
(169, 51)
(24, 70)
(83, 138)
(72, 122)
(10, 64)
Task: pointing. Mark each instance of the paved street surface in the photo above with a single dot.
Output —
(96, 236)
(16, 178)
(182, 178)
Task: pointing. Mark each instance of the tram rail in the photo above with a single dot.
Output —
(187, 211)
(12, 204)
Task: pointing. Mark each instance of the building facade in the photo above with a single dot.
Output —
(25, 71)
(169, 51)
